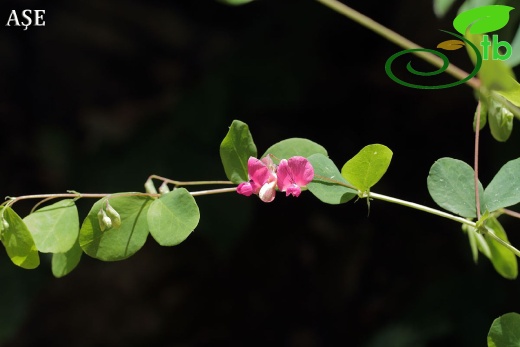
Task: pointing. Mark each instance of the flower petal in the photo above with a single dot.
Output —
(267, 192)
(245, 188)
(302, 170)
(284, 178)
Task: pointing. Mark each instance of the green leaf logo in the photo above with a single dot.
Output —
(483, 19)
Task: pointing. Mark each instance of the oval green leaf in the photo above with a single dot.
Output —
(173, 217)
(235, 150)
(504, 188)
(503, 260)
(367, 167)
(327, 183)
(54, 228)
(63, 263)
(121, 243)
(295, 146)
(451, 184)
(483, 19)
(504, 331)
(18, 241)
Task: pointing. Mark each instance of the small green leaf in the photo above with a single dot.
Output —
(63, 263)
(18, 241)
(173, 217)
(367, 167)
(293, 147)
(235, 150)
(54, 228)
(483, 19)
(504, 189)
(504, 331)
(451, 183)
(503, 260)
(326, 183)
(477, 242)
(121, 243)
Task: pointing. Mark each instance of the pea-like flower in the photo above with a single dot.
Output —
(294, 174)
(262, 179)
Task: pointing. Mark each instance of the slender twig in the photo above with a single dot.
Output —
(189, 183)
(510, 213)
(421, 208)
(399, 40)
(477, 132)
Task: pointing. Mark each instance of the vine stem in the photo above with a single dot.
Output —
(421, 208)
(399, 40)
(188, 183)
(475, 169)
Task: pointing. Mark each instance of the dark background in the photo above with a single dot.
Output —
(109, 92)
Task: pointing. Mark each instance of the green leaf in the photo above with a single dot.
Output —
(235, 150)
(504, 188)
(504, 331)
(293, 147)
(367, 167)
(18, 242)
(54, 228)
(451, 184)
(441, 7)
(63, 263)
(326, 183)
(173, 217)
(483, 19)
(504, 261)
(116, 244)
(500, 121)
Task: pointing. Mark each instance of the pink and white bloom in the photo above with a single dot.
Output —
(262, 179)
(294, 174)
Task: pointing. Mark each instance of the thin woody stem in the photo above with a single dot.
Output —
(188, 183)
(477, 131)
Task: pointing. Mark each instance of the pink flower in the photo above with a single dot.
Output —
(262, 179)
(293, 174)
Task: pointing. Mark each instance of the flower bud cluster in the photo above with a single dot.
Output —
(108, 218)
(265, 177)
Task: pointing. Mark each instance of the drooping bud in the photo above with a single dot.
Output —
(163, 188)
(105, 223)
(113, 216)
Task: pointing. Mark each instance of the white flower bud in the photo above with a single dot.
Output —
(113, 216)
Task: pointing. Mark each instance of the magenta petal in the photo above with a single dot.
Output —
(245, 188)
(293, 190)
(283, 174)
(302, 170)
(258, 172)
